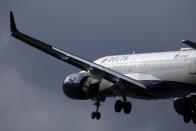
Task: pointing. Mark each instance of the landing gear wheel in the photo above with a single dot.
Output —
(127, 107)
(118, 106)
(194, 118)
(187, 118)
(98, 115)
(93, 115)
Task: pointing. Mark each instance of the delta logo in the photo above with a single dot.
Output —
(104, 60)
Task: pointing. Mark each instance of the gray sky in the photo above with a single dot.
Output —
(31, 95)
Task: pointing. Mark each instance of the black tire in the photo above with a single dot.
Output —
(98, 115)
(187, 118)
(194, 117)
(127, 107)
(194, 120)
(118, 106)
(93, 115)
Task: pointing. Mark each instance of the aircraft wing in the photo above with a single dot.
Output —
(74, 60)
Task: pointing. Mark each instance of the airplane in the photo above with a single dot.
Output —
(148, 76)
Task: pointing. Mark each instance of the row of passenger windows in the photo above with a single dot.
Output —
(149, 64)
(163, 63)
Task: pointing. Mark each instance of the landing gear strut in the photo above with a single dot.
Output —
(96, 114)
(125, 105)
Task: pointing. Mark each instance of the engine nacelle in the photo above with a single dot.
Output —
(77, 86)
(183, 105)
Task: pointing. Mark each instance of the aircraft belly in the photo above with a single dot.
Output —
(169, 89)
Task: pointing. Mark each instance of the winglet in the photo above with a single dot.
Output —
(12, 23)
(189, 43)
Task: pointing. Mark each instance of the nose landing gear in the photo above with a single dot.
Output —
(96, 114)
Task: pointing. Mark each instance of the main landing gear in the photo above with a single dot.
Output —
(123, 105)
(191, 115)
(96, 114)
(187, 118)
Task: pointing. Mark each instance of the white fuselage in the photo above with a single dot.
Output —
(178, 66)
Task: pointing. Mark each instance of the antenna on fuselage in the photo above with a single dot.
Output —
(133, 52)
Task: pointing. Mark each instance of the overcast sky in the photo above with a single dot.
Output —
(31, 96)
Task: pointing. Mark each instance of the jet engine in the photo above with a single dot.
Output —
(78, 86)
